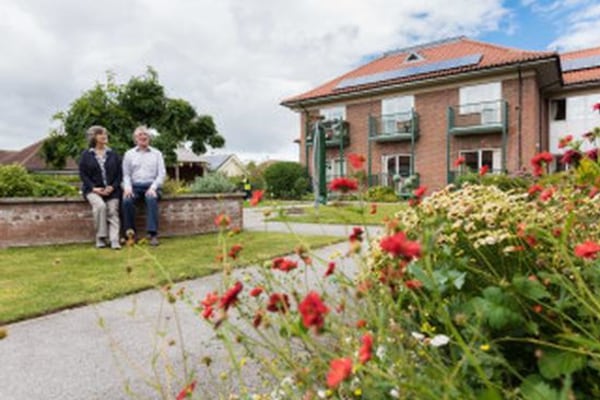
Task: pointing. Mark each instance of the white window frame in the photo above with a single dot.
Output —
(337, 113)
(333, 168)
(496, 157)
(472, 101)
(395, 110)
(384, 166)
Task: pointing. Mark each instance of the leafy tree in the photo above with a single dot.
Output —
(286, 180)
(121, 108)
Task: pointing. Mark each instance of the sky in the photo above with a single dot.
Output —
(236, 60)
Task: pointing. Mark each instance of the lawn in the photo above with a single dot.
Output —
(344, 213)
(40, 280)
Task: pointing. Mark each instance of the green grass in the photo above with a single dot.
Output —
(350, 214)
(39, 280)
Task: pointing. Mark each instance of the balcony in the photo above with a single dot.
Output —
(337, 133)
(475, 118)
(394, 127)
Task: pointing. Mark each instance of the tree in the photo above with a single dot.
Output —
(121, 108)
(286, 180)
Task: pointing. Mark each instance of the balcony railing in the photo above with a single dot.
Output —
(337, 132)
(482, 117)
(394, 127)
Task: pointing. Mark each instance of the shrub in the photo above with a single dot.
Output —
(381, 194)
(212, 183)
(173, 187)
(48, 186)
(286, 180)
(16, 182)
(502, 181)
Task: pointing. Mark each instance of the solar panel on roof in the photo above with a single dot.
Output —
(580, 63)
(409, 71)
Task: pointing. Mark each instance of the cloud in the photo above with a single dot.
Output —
(582, 28)
(235, 60)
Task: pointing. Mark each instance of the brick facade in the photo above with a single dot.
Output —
(32, 221)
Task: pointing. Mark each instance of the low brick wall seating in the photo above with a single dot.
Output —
(44, 221)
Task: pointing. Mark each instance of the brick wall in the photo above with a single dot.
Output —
(33, 221)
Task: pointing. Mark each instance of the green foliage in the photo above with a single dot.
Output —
(15, 181)
(502, 181)
(47, 186)
(286, 180)
(382, 194)
(213, 183)
(171, 187)
(121, 108)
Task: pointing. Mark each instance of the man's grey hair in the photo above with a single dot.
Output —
(141, 129)
(92, 132)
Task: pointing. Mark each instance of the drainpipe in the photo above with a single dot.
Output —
(520, 121)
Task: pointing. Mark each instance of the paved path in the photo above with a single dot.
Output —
(68, 355)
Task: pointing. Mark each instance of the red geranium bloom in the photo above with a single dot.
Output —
(313, 310)
(399, 246)
(208, 312)
(459, 161)
(365, 351)
(339, 370)
(539, 161)
(361, 323)
(484, 170)
(283, 264)
(257, 196)
(587, 249)
(413, 284)
(564, 141)
(356, 160)
(210, 299)
(570, 157)
(534, 189)
(230, 296)
(547, 194)
(592, 154)
(186, 391)
(420, 191)
(596, 107)
(235, 249)
(330, 268)
(356, 235)
(343, 185)
(593, 192)
(278, 302)
(257, 319)
(256, 291)
(222, 220)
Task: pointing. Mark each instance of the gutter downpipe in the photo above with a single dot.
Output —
(520, 121)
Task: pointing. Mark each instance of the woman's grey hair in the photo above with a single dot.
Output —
(92, 132)
(141, 129)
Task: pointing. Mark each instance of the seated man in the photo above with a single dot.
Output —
(143, 175)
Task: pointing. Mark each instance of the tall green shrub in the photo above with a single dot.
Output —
(15, 182)
(212, 183)
(286, 180)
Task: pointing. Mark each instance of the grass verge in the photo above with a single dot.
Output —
(39, 280)
(344, 213)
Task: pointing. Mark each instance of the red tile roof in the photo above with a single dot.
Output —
(30, 158)
(491, 56)
(581, 75)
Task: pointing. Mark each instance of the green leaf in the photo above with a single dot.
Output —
(556, 363)
(534, 388)
(530, 289)
(489, 394)
(498, 308)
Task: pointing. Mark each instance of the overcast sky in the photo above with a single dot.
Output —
(237, 59)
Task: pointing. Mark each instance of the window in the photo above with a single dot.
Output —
(395, 164)
(558, 109)
(333, 113)
(475, 159)
(396, 114)
(412, 57)
(482, 99)
(333, 168)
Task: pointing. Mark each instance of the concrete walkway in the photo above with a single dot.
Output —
(68, 355)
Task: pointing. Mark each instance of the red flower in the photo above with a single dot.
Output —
(373, 209)
(257, 196)
(313, 310)
(235, 249)
(534, 189)
(283, 264)
(339, 370)
(420, 191)
(592, 154)
(587, 249)
(564, 141)
(539, 161)
(256, 291)
(537, 308)
(365, 351)
(330, 268)
(343, 185)
(547, 194)
(356, 160)
(278, 302)
(361, 323)
(596, 107)
(413, 284)
(222, 220)
(208, 312)
(593, 192)
(484, 170)
(459, 161)
(230, 296)
(210, 299)
(186, 391)
(570, 157)
(257, 319)
(399, 246)
(356, 235)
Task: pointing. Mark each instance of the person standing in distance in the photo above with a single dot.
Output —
(100, 173)
(143, 175)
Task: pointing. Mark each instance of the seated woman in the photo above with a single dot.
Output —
(100, 172)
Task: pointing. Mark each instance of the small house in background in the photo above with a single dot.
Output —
(226, 164)
(188, 166)
(30, 159)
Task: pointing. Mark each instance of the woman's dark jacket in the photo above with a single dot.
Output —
(91, 175)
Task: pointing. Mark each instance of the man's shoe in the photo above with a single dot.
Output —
(100, 243)
(154, 241)
(115, 245)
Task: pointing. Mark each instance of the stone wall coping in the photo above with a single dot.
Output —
(79, 199)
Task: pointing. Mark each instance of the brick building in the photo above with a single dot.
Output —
(413, 111)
